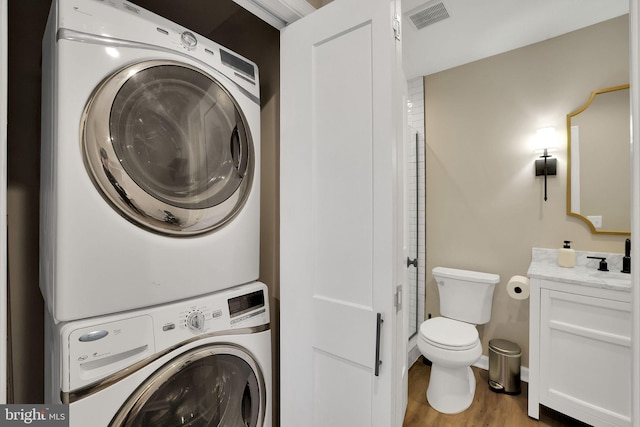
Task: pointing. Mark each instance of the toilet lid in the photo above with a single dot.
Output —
(449, 333)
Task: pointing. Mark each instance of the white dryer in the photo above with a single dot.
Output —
(150, 161)
(205, 362)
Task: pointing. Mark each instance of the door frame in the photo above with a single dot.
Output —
(634, 63)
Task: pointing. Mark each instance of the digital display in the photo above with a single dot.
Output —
(237, 63)
(245, 303)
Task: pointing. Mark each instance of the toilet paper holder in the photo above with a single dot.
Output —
(518, 288)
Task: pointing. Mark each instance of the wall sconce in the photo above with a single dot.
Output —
(546, 142)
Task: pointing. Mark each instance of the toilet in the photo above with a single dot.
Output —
(451, 342)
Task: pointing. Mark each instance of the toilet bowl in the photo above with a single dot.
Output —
(451, 342)
(452, 347)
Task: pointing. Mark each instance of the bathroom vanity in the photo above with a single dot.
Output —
(580, 339)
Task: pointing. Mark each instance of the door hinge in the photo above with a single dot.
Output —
(398, 298)
(396, 27)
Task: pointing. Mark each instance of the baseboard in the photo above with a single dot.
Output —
(483, 363)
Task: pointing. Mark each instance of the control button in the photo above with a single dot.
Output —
(169, 327)
(93, 336)
(188, 40)
(195, 321)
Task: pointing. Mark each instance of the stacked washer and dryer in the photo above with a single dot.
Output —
(149, 228)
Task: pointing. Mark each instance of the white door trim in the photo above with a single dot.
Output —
(634, 61)
(277, 13)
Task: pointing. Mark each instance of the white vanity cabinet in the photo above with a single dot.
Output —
(580, 351)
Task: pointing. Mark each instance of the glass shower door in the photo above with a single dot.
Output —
(416, 205)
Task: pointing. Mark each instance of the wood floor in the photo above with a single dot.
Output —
(488, 408)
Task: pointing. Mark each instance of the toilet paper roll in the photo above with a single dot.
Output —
(518, 287)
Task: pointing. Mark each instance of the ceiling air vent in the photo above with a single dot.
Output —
(428, 14)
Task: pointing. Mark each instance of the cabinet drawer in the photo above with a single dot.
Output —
(587, 315)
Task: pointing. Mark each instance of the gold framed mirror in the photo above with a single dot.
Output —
(599, 162)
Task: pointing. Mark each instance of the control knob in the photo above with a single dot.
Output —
(188, 40)
(195, 321)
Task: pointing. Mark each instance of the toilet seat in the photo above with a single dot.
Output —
(449, 334)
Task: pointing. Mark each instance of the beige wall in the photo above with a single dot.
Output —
(485, 208)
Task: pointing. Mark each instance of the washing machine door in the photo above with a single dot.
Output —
(210, 386)
(168, 146)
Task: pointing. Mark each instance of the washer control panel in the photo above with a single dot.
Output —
(196, 319)
(245, 306)
(97, 347)
(100, 349)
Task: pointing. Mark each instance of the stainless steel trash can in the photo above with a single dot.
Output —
(504, 366)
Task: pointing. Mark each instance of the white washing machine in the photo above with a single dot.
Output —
(205, 362)
(150, 161)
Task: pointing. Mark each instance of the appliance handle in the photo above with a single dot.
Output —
(239, 152)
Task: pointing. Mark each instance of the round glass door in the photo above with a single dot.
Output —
(211, 386)
(168, 147)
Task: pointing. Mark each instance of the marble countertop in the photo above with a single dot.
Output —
(544, 265)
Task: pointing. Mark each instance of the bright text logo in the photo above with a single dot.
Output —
(36, 415)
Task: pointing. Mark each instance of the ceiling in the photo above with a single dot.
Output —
(478, 29)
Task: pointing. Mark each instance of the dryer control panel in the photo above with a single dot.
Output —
(123, 20)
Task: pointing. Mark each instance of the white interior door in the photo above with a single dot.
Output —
(341, 220)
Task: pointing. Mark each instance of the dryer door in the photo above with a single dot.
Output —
(209, 386)
(168, 147)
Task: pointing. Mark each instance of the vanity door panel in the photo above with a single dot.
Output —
(585, 357)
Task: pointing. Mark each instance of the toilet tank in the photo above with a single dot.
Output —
(465, 295)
